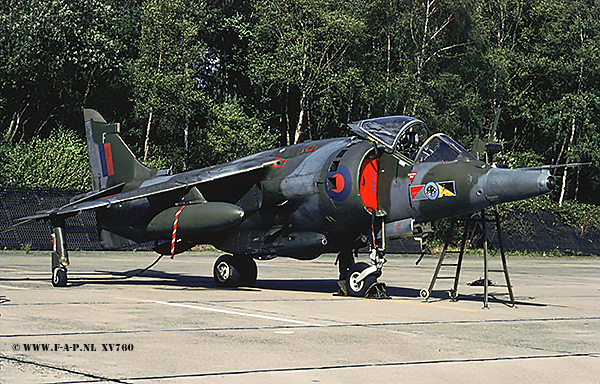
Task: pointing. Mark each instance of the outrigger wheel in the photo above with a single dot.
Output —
(60, 255)
(59, 277)
(59, 270)
(235, 271)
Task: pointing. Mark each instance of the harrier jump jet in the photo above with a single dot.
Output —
(390, 180)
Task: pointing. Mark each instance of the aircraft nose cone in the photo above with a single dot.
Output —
(504, 185)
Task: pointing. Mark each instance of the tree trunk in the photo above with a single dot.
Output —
(563, 189)
(186, 141)
(300, 118)
(186, 134)
(13, 123)
(147, 141)
(286, 134)
(577, 184)
(387, 70)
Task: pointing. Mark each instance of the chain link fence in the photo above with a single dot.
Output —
(17, 202)
(521, 231)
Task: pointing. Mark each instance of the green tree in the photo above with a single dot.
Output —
(52, 54)
(230, 134)
(59, 161)
(299, 47)
(164, 75)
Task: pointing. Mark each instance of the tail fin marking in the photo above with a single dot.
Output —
(111, 160)
(106, 160)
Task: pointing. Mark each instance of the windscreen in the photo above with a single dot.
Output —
(441, 148)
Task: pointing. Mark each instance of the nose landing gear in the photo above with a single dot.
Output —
(361, 278)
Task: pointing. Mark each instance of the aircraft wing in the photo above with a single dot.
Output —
(154, 187)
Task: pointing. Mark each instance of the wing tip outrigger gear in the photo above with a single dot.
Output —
(60, 255)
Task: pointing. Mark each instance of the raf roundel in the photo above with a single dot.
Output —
(339, 184)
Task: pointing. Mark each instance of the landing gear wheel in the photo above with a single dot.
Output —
(230, 271)
(246, 267)
(424, 293)
(59, 277)
(225, 272)
(359, 288)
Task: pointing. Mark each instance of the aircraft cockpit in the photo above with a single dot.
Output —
(401, 135)
(408, 137)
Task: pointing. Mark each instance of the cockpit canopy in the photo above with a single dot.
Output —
(406, 136)
(400, 134)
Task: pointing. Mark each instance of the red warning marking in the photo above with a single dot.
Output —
(279, 163)
(174, 237)
(411, 176)
(415, 190)
(310, 148)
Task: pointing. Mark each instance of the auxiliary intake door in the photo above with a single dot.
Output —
(375, 182)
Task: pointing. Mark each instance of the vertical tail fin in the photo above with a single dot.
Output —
(111, 160)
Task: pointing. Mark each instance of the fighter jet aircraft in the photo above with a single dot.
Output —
(390, 180)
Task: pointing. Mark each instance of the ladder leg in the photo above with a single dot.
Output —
(425, 293)
(463, 243)
(485, 262)
(504, 264)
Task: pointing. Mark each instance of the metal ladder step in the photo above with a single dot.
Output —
(471, 224)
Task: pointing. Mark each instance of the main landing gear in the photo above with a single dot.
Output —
(235, 271)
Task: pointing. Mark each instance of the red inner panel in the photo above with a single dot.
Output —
(368, 182)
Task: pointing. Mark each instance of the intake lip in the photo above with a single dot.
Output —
(551, 183)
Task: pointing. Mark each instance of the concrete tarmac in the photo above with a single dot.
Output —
(172, 325)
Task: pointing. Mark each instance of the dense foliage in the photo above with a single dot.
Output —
(196, 83)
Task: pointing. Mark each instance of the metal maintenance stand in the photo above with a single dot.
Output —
(470, 225)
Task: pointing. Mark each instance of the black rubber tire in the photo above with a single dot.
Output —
(59, 277)
(235, 271)
(225, 272)
(360, 289)
(248, 271)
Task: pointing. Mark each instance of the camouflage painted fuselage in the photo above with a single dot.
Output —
(315, 197)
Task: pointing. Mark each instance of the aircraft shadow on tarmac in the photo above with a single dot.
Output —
(166, 280)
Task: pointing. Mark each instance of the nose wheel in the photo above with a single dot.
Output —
(356, 285)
